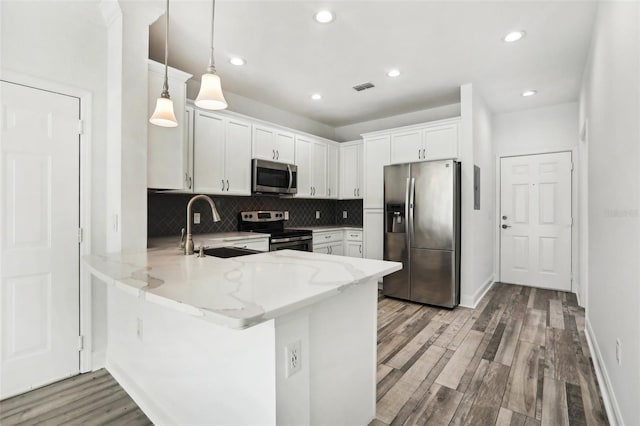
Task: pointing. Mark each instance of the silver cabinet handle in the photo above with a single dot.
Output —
(190, 182)
(329, 192)
(273, 157)
(424, 154)
(354, 192)
(277, 154)
(506, 226)
(419, 155)
(330, 250)
(358, 192)
(360, 248)
(222, 184)
(311, 190)
(327, 236)
(227, 184)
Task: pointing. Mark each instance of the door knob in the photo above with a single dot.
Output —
(504, 218)
(506, 226)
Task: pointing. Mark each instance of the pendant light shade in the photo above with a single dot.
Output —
(163, 115)
(210, 95)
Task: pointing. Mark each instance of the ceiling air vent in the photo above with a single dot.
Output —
(363, 86)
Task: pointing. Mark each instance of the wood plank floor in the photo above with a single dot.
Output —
(519, 358)
(88, 399)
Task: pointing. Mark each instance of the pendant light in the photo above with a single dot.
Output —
(210, 95)
(163, 115)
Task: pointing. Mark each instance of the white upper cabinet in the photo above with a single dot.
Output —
(311, 159)
(273, 144)
(222, 155)
(376, 156)
(441, 142)
(430, 141)
(168, 147)
(333, 170)
(351, 171)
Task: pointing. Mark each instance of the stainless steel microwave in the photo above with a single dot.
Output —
(269, 177)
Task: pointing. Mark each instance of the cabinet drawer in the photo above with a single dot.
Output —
(353, 235)
(261, 244)
(327, 237)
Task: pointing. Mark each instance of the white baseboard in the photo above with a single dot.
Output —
(139, 396)
(473, 300)
(608, 396)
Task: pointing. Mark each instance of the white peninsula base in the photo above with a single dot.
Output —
(183, 370)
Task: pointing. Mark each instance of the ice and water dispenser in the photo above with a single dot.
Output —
(395, 221)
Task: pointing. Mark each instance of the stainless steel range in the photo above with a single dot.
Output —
(272, 222)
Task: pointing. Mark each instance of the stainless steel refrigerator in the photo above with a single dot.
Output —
(422, 230)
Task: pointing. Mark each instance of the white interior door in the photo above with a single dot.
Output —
(535, 219)
(39, 253)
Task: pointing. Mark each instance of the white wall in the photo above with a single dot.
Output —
(552, 128)
(476, 148)
(610, 101)
(353, 131)
(64, 42)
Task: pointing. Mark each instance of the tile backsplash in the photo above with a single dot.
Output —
(166, 212)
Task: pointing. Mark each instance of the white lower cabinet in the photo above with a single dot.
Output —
(353, 243)
(329, 248)
(373, 233)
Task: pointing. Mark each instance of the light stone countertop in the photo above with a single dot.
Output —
(326, 228)
(217, 239)
(238, 292)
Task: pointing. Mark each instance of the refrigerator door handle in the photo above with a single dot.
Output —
(410, 205)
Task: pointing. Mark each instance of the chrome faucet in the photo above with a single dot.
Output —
(188, 248)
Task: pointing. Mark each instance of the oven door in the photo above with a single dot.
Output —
(301, 245)
(274, 178)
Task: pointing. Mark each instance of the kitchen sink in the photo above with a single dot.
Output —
(226, 252)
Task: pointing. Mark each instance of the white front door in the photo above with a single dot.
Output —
(535, 220)
(39, 252)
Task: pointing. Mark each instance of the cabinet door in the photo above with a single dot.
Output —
(336, 249)
(332, 168)
(264, 143)
(376, 156)
(321, 248)
(353, 249)
(167, 151)
(209, 153)
(285, 147)
(303, 155)
(237, 157)
(373, 234)
(359, 171)
(189, 115)
(441, 142)
(349, 172)
(406, 147)
(319, 169)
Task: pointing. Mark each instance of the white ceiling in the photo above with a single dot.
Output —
(437, 46)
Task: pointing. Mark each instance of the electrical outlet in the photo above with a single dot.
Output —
(139, 328)
(317, 214)
(196, 218)
(344, 214)
(286, 215)
(293, 358)
(619, 352)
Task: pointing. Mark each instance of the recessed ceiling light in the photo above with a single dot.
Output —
(393, 73)
(513, 36)
(324, 16)
(236, 60)
(316, 96)
(527, 93)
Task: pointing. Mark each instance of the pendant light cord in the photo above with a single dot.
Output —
(212, 68)
(165, 85)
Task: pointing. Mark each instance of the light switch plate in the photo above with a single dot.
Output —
(317, 214)
(344, 214)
